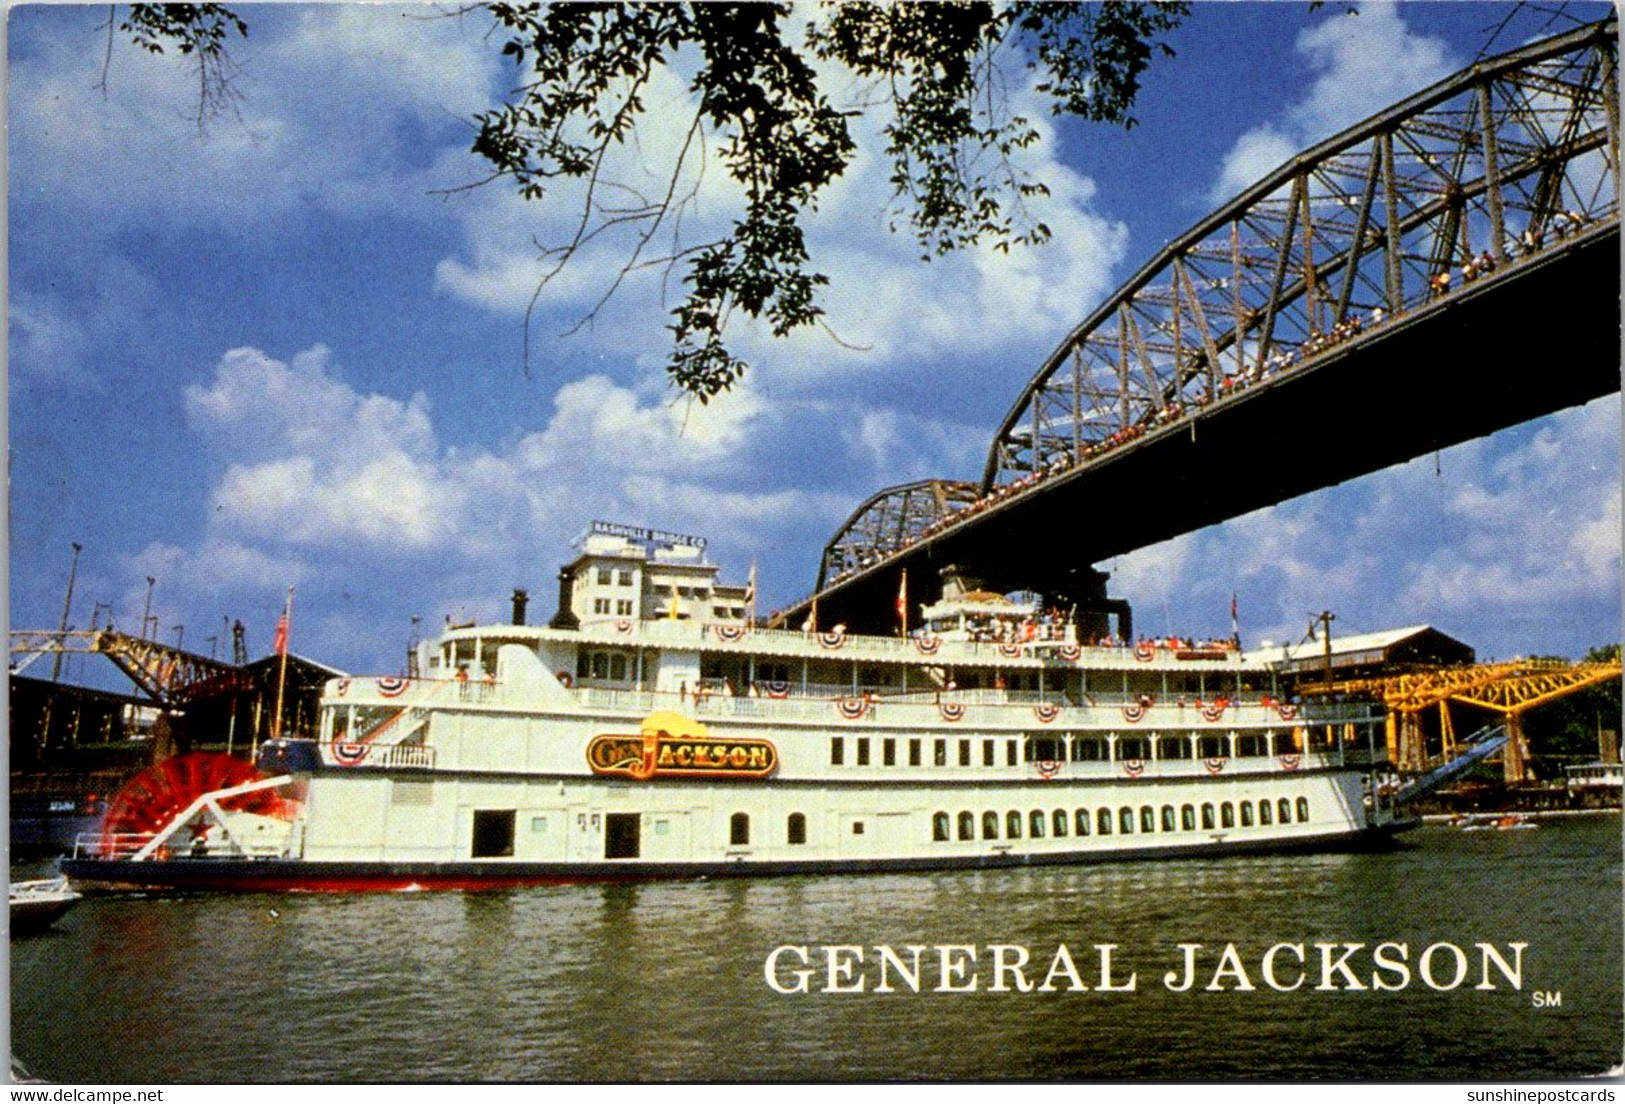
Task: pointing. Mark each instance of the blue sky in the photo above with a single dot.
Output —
(285, 350)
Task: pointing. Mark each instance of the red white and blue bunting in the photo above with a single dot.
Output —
(1047, 768)
(729, 634)
(927, 644)
(1214, 712)
(831, 640)
(1134, 714)
(951, 711)
(1010, 651)
(1145, 651)
(1069, 652)
(623, 626)
(1046, 712)
(1291, 762)
(776, 688)
(391, 687)
(347, 754)
(853, 708)
(1287, 711)
(1134, 767)
(1214, 764)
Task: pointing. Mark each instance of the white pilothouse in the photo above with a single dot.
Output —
(652, 729)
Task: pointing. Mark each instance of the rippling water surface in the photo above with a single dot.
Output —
(665, 981)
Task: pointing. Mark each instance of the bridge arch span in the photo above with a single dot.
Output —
(1478, 172)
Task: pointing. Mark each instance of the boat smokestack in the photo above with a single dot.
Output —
(521, 599)
(565, 618)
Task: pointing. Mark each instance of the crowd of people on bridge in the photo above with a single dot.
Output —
(1180, 408)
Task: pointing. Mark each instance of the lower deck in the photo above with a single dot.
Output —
(379, 818)
(291, 875)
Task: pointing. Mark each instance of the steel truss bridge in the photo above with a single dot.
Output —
(169, 677)
(1442, 270)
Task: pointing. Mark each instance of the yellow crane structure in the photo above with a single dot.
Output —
(1508, 689)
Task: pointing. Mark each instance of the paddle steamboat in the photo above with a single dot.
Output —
(653, 729)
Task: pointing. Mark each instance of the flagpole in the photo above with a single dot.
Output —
(282, 673)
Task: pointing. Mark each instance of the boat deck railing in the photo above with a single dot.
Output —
(999, 708)
(836, 643)
(110, 845)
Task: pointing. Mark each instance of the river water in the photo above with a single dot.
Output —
(666, 981)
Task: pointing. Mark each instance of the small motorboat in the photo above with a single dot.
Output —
(37, 904)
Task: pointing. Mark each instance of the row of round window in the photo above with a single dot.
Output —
(1125, 821)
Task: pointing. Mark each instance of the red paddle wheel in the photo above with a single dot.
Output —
(152, 798)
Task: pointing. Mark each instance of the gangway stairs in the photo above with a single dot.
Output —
(1480, 745)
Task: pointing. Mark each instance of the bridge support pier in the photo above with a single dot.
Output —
(1515, 756)
(1413, 750)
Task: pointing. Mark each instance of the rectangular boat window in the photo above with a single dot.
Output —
(837, 750)
(964, 753)
(1148, 819)
(795, 829)
(863, 751)
(538, 825)
(1187, 817)
(1010, 753)
(914, 753)
(1227, 815)
(603, 576)
(987, 753)
(624, 577)
(621, 835)
(939, 754)
(888, 752)
(493, 834)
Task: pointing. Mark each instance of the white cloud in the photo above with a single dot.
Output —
(885, 308)
(1520, 531)
(310, 465)
(333, 105)
(1364, 63)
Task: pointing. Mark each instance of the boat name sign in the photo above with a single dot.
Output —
(655, 754)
